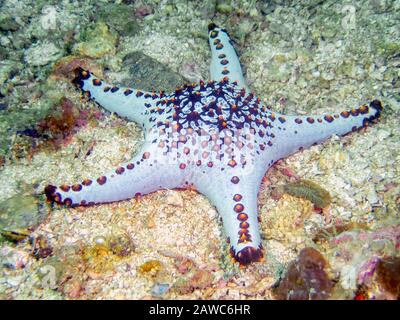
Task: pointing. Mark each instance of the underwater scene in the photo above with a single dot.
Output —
(213, 150)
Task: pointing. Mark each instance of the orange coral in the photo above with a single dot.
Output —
(64, 68)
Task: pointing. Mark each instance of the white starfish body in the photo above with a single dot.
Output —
(214, 136)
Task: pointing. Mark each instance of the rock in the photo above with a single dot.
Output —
(13, 258)
(21, 212)
(306, 278)
(8, 24)
(43, 53)
(8, 69)
(120, 17)
(277, 71)
(3, 53)
(184, 265)
(206, 9)
(201, 279)
(143, 11)
(159, 289)
(224, 8)
(41, 247)
(148, 74)
(98, 42)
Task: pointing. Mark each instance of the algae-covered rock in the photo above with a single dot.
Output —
(278, 70)
(201, 279)
(148, 74)
(98, 41)
(19, 215)
(43, 53)
(224, 8)
(13, 258)
(8, 69)
(120, 17)
(21, 212)
(285, 221)
(205, 9)
(8, 23)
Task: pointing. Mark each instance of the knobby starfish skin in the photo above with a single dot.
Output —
(214, 136)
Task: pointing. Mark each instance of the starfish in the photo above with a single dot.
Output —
(214, 136)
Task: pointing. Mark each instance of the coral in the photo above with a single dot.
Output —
(103, 255)
(311, 191)
(388, 275)
(151, 267)
(306, 278)
(52, 132)
(355, 254)
(60, 124)
(64, 68)
(379, 278)
(285, 221)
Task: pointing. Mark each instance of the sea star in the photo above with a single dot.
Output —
(214, 136)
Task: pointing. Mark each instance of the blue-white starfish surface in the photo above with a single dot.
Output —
(214, 136)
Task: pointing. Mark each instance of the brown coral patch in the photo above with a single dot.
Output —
(306, 278)
(64, 68)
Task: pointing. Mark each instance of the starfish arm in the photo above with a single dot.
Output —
(126, 102)
(224, 60)
(297, 132)
(145, 173)
(235, 197)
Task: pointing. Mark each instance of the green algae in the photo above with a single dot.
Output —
(120, 17)
(97, 42)
(311, 191)
(20, 212)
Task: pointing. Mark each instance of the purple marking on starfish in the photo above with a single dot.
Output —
(215, 136)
